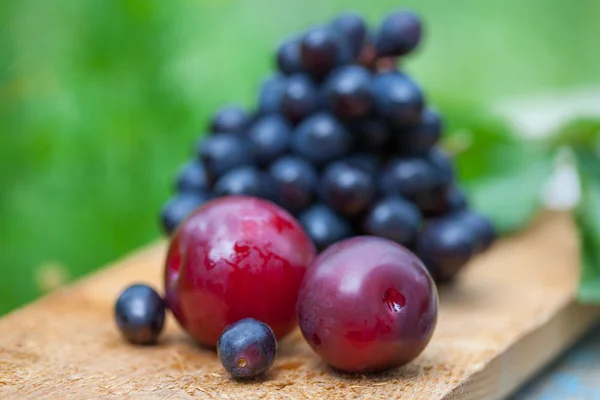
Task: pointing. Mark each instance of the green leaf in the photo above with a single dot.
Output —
(501, 173)
(588, 221)
(582, 133)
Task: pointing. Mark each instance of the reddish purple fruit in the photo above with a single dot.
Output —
(236, 257)
(367, 304)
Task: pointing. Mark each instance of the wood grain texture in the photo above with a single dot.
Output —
(508, 315)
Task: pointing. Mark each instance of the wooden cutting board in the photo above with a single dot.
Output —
(510, 313)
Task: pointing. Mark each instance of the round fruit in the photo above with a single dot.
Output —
(348, 92)
(249, 181)
(365, 161)
(294, 182)
(446, 245)
(300, 98)
(140, 314)
(399, 34)
(247, 348)
(224, 152)
(324, 226)
(367, 304)
(269, 138)
(179, 207)
(232, 118)
(481, 227)
(288, 56)
(271, 93)
(354, 30)
(393, 218)
(193, 178)
(235, 258)
(347, 189)
(321, 138)
(398, 99)
(320, 51)
(409, 177)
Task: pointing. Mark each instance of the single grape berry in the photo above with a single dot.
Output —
(373, 135)
(367, 304)
(193, 177)
(320, 51)
(393, 218)
(247, 181)
(140, 314)
(324, 226)
(442, 164)
(398, 34)
(294, 182)
(398, 98)
(365, 161)
(421, 137)
(269, 138)
(224, 152)
(348, 92)
(271, 94)
(179, 207)
(300, 98)
(353, 28)
(409, 177)
(236, 257)
(445, 245)
(347, 189)
(482, 228)
(321, 138)
(288, 56)
(247, 348)
(230, 118)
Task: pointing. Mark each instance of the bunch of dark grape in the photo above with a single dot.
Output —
(345, 141)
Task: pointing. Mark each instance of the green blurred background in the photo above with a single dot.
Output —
(100, 101)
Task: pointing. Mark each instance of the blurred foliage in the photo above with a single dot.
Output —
(101, 100)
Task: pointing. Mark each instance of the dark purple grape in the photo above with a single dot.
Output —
(324, 226)
(445, 245)
(140, 314)
(193, 178)
(422, 136)
(373, 135)
(320, 51)
(179, 207)
(354, 30)
(398, 34)
(300, 98)
(247, 348)
(247, 181)
(269, 138)
(365, 161)
(442, 164)
(398, 98)
(294, 182)
(393, 218)
(482, 228)
(230, 118)
(409, 177)
(321, 138)
(348, 92)
(271, 94)
(288, 56)
(347, 189)
(224, 152)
